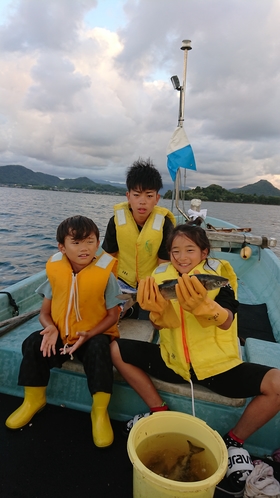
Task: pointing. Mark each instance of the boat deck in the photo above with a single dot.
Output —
(38, 460)
(68, 388)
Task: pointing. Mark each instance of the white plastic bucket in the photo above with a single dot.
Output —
(147, 484)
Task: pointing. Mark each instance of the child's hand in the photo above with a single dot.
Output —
(193, 298)
(149, 296)
(83, 337)
(50, 335)
(190, 292)
(162, 313)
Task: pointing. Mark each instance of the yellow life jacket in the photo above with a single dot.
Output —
(138, 252)
(209, 350)
(78, 300)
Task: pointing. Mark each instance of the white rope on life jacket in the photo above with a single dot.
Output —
(73, 301)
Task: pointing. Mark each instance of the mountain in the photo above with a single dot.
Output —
(215, 193)
(262, 187)
(19, 176)
(16, 175)
(113, 184)
(165, 188)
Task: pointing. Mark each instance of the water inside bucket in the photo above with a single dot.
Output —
(177, 457)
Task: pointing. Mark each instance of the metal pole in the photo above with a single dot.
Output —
(186, 47)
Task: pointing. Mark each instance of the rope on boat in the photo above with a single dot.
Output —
(11, 323)
(179, 191)
(11, 302)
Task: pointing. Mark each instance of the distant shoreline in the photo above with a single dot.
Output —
(215, 193)
(264, 200)
(53, 189)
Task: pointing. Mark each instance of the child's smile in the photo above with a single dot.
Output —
(79, 252)
(185, 254)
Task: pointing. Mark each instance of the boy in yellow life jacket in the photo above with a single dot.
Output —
(79, 314)
(198, 342)
(136, 235)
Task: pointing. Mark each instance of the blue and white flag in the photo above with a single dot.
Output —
(179, 153)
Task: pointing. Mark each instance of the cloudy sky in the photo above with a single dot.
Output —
(85, 86)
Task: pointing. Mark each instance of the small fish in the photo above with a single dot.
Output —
(182, 469)
(167, 288)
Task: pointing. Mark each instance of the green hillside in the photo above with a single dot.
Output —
(215, 193)
(262, 187)
(19, 176)
(261, 192)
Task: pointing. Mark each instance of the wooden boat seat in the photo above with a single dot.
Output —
(127, 327)
(145, 332)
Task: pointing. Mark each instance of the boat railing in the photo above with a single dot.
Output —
(221, 232)
(241, 238)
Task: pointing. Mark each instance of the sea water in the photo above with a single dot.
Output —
(164, 454)
(29, 219)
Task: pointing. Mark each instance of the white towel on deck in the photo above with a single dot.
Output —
(261, 483)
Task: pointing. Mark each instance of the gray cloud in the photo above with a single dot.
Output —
(44, 25)
(55, 84)
(80, 100)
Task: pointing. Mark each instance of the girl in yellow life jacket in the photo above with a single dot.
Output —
(198, 338)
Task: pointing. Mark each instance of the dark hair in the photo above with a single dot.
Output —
(193, 231)
(144, 176)
(78, 227)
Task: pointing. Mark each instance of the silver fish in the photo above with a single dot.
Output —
(182, 470)
(167, 288)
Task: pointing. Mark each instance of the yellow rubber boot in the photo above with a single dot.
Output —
(34, 401)
(102, 431)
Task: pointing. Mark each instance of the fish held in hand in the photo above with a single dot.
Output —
(167, 288)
